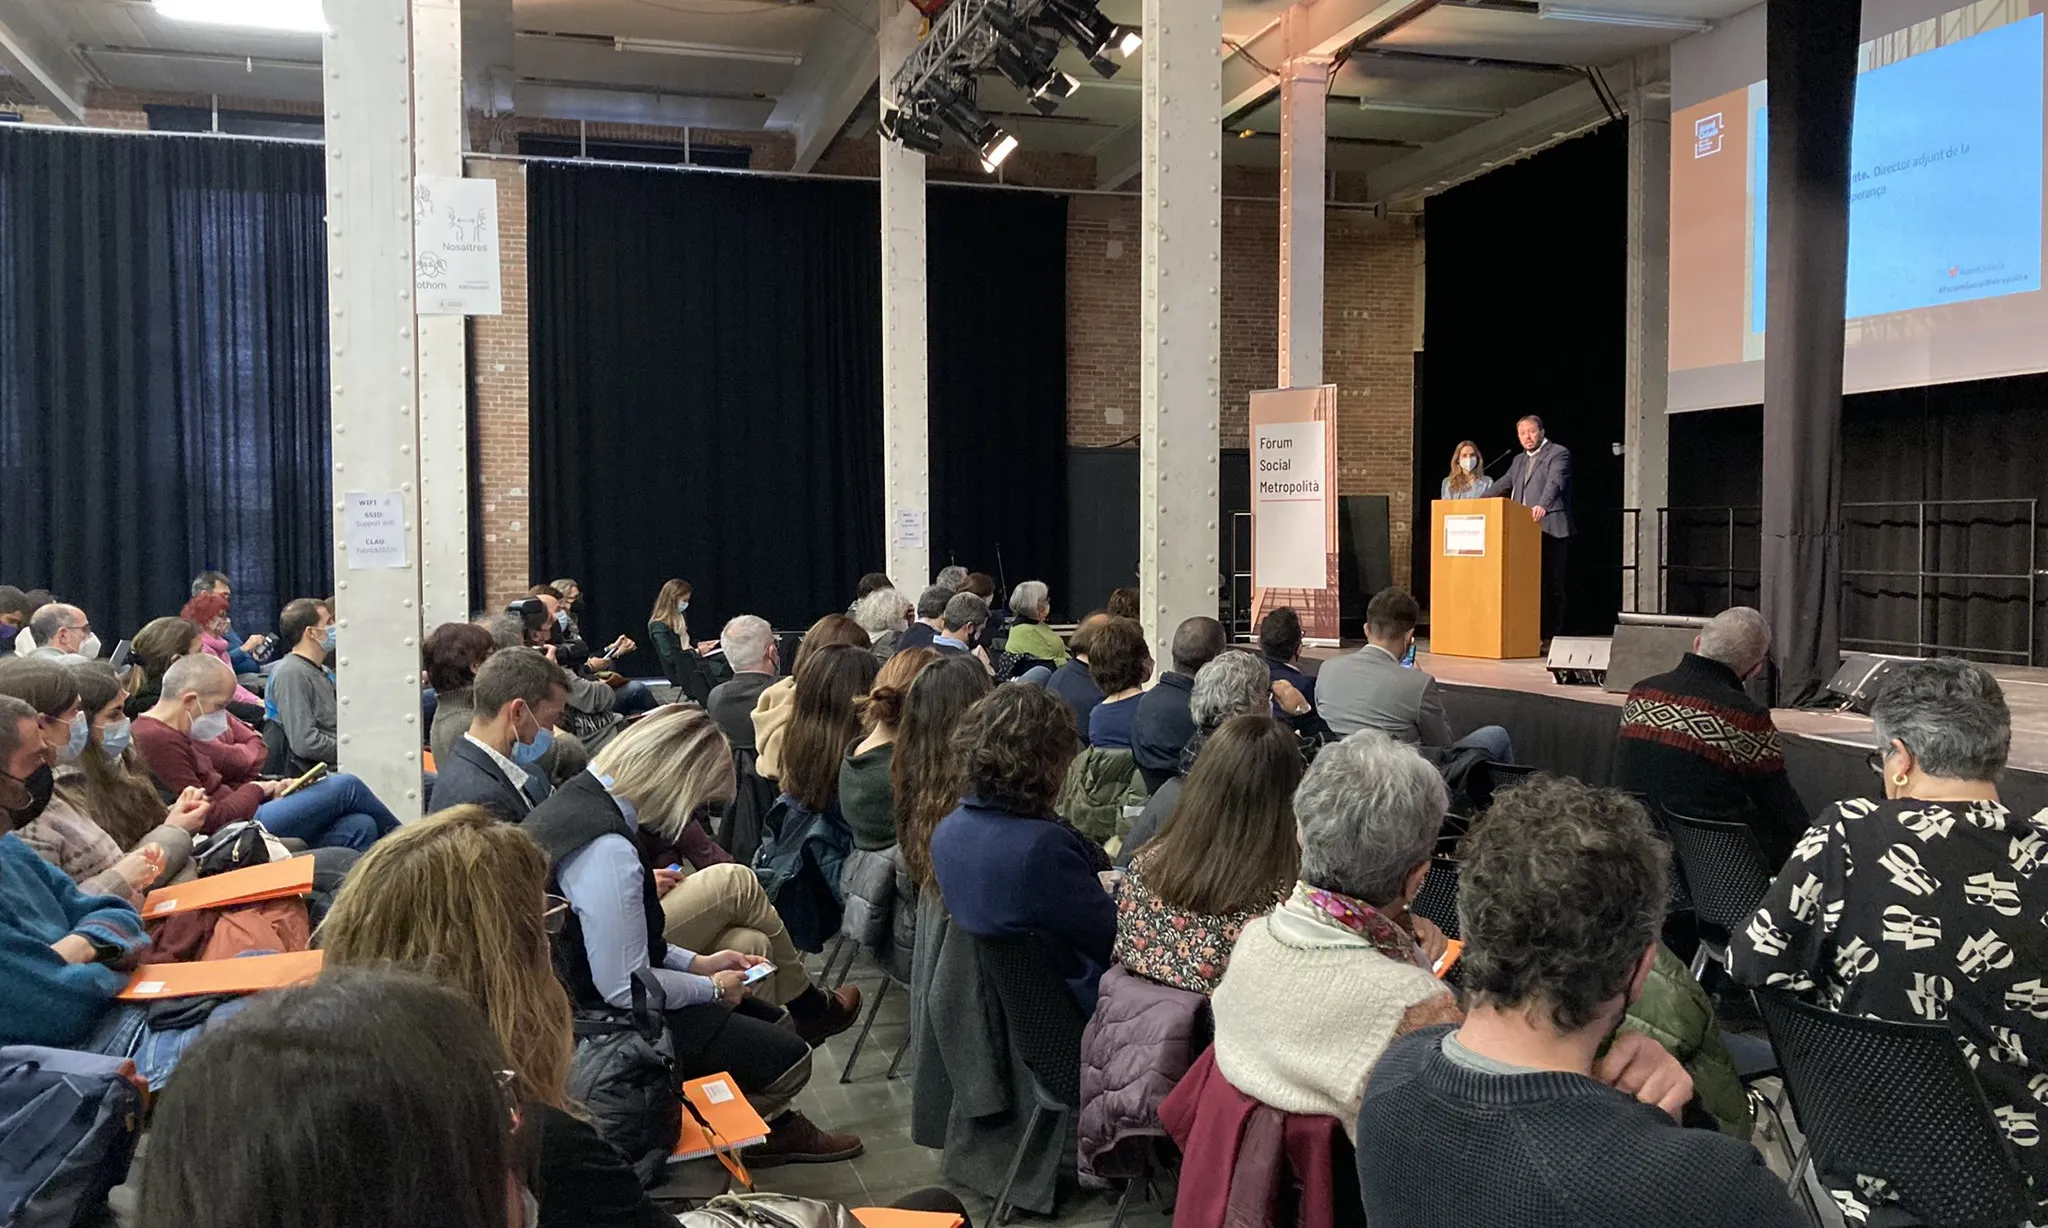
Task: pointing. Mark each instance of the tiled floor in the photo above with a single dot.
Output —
(878, 1109)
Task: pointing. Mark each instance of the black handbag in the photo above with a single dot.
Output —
(624, 1072)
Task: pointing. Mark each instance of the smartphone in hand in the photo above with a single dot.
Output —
(756, 974)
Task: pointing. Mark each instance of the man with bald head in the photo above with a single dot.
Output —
(1694, 743)
(337, 811)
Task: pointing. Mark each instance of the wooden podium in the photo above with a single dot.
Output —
(1485, 580)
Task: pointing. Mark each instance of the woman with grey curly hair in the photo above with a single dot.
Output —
(1925, 906)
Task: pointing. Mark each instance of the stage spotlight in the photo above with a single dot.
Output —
(996, 149)
(1055, 89)
(962, 115)
(1094, 35)
(906, 129)
(1128, 40)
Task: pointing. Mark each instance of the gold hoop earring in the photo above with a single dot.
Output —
(1901, 781)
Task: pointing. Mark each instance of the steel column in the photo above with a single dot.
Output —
(374, 356)
(906, 436)
(1646, 477)
(437, 127)
(1180, 313)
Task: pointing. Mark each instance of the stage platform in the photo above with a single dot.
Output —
(1572, 729)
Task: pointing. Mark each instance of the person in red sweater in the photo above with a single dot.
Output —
(337, 811)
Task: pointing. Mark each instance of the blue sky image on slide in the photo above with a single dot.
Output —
(1945, 176)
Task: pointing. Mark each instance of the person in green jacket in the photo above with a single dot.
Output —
(1030, 604)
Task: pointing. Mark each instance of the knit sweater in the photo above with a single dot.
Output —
(1035, 639)
(1306, 1007)
(47, 1001)
(1544, 1149)
(1694, 742)
(772, 714)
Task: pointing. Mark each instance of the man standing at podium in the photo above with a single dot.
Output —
(1540, 479)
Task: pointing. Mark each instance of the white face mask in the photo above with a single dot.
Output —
(1468, 463)
(90, 647)
(209, 726)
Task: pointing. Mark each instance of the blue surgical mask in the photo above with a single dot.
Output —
(1469, 462)
(562, 619)
(115, 737)
(682, 607)
(211, 725)
(81, 733)
(327, 642)
(530, 752)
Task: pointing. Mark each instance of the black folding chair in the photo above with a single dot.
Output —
(1438, 899)
(1725, 873)
(1497, 776)
(1895, 1101)
(1044, 1026)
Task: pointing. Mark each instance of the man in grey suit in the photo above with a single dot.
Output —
(1540, 479)
(1371, 689)
(749, 646)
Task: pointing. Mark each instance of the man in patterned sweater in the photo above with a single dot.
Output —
(1693, 742)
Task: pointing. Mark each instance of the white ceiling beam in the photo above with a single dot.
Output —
(487, 50)
(835, 76)
(1324, 27)
(41, 62)
(1526, 130)
(1119, 158)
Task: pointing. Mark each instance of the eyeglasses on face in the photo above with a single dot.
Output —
(556, 913)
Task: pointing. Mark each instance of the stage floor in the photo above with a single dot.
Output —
(2026, 694)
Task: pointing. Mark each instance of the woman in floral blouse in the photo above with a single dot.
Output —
(1227, 854)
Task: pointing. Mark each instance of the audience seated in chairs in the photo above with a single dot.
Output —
(668, 629)
(1005, 863)
(155, 649)
(961, 625)
(1925, 906)
(1228, 855)
(451, 655)
(952, 578)
(1369, 689)
(867, 800)
(1030, 606)
(336, 811)
(803, 853)
(872, 582)
(63, 833)
(1280, 644)
(1163, 727)
(515, 700)
(777, 703)
(245, 652)
(1071, 681)
(110, 783)
(1563, 895)
(589, 718)
(209, 613)
(751, 651)
(395, 1114)
(1123, 603)
(630, 696)
(983, 585)
(657, 775)
(301, 695)
(924, 769)
(1104, 792)
(461, 898)
(885, 616)
(63, 633)
(14, 613)
(1234, 684)
(1693, 742)
(930, 611)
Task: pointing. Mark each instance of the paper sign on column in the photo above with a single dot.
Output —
(376, 529)
(455, 246)
(1288, 505)
(909, 529)
(1465, 535)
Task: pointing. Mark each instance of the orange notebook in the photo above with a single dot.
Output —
(275, 881)
(247, 974)
(1452, 950)
(892, 1217)
(735, 1122)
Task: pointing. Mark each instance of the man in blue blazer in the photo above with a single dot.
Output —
(1540, 479)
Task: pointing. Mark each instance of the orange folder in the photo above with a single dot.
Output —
(722, 1103)
(247, 974)
(275, 881)
(892, 1217)
(1452, 950)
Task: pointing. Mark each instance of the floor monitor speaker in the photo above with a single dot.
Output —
(1862, 675)
(1579, 660)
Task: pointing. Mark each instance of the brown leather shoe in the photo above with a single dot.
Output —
(795, 1139)
(842, 1007)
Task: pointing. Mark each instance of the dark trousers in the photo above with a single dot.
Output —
(769, 1062)
(1556, 583)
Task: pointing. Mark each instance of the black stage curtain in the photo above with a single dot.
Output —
(163, 371)
(706, 391)
(1514, 326)
(1969, 441)
(997, 280)
(1811, 54)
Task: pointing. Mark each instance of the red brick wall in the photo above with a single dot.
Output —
(497, 371)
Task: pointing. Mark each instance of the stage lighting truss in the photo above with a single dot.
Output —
(935, 88)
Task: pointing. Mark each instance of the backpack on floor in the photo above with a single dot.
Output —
(624, 1072)
(68, 1127)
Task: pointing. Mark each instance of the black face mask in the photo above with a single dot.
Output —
(38, 785)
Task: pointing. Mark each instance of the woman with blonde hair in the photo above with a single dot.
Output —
(460, 898)
(668, 629)
(657, 776)
(1467, 479)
